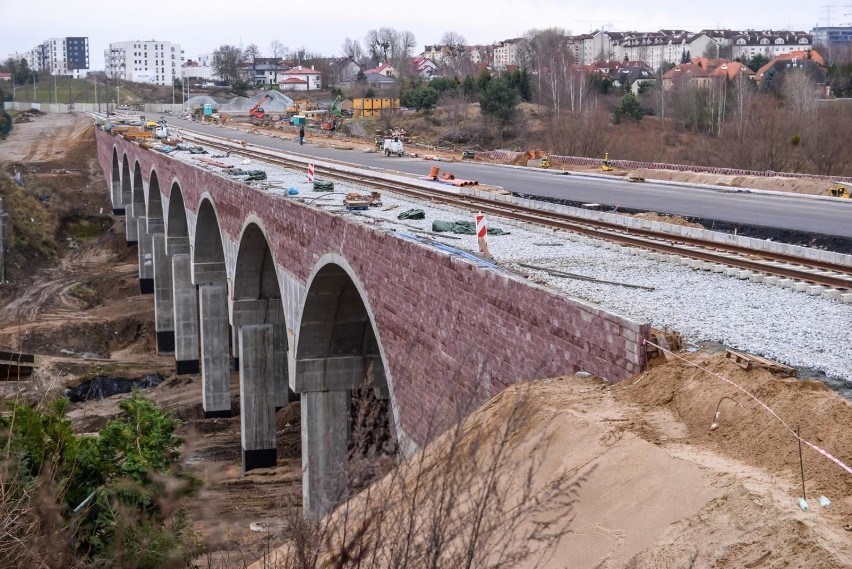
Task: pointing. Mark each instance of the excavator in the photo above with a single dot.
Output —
(838, 192)
(335, 117)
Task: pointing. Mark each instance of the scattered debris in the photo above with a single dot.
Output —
(14, 365)
(102, 386)
(749, 361)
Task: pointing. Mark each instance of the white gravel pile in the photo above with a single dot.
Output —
(790, 327)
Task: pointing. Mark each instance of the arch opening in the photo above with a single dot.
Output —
(347, 425)
(115, 185)
(260, 344)
(210, 276)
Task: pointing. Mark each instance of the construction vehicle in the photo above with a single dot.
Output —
(839, 192)
(257, 112)
(302, 105)
(606, 166)
(335, 117)
(393, 146)
(545, 161)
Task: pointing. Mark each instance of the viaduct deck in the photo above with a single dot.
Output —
(312, 306)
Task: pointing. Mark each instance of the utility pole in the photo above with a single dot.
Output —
(3, 218)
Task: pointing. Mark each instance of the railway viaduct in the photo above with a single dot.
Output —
(305, 304)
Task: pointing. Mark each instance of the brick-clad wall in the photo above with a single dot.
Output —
(453, 333)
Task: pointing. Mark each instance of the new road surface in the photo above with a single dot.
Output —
(780, 210)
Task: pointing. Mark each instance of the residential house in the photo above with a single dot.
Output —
(343, 67)
(383, 69)
(376, 81)
(424, 67)
(809, 61)
(300, 79)
(634, 73)
(769, 44)
(687, 74)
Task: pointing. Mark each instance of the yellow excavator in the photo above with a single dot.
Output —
(838, 192)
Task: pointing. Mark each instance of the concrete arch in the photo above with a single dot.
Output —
(185, 297)
(162, 269)
(210, 276)
(155, 201)
(208, 254)
(260, 345)
(176, 224)
(142, 232)
(340, 367)
(115, 185)
(127, 202)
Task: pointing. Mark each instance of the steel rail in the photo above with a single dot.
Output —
(807, 270)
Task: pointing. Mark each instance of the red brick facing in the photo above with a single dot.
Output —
(452, 332)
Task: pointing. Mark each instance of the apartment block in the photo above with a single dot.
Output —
(155, 62)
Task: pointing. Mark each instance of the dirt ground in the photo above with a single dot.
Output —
(666, 491)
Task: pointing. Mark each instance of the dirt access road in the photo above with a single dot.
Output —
(667, 490)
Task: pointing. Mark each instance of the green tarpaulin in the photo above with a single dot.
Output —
(464, 227)
(412, 214)
(323, 186)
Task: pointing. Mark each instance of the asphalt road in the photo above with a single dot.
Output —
(778, 210)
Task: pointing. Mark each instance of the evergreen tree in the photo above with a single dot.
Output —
(499, 100)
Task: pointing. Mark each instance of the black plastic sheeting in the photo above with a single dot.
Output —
(101, 386)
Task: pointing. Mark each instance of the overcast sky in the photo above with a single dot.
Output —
(321, 27)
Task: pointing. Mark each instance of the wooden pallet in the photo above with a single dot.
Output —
(749, 361)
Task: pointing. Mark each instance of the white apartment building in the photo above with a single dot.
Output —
(58, 56)
(507, 53)
(665, 46)
(156, 62)
(746, 45)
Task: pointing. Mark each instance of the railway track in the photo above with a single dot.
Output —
(794, 268)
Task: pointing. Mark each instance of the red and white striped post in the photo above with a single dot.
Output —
(310, 172)
(481, 232)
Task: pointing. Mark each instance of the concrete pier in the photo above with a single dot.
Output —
(325, 386)
(146, 257)
(257, 409)
(164, 315)
(215, 364)
(186, 316)
(265, 311)
(325, 440)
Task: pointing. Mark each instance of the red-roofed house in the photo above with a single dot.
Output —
(383, 69)
(300, 79)
(5, 76)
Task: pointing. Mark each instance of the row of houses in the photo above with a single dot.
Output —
(702, 71)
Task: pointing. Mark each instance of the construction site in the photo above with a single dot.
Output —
(695, 462)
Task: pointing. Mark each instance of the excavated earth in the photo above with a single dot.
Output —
(666, 490)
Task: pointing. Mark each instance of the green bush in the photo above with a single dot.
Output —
(116, 481)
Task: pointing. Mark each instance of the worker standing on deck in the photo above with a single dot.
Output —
(301, 135)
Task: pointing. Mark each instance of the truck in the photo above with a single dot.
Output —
(393, 146)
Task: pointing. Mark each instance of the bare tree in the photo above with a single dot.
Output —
(742, 90)
(278, 51)
(392, 47)
(453, 45)
(250, 55)
(550, 59)
(799, 92)
(227, 62)
(353, 50)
